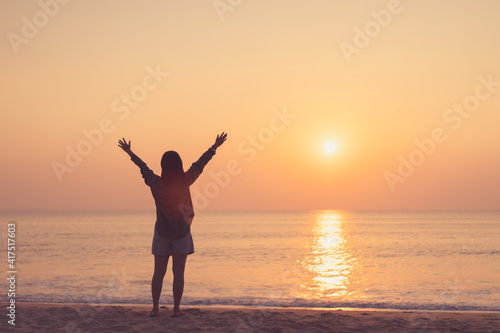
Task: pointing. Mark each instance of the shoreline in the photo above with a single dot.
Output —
(84, 317)
(264, 307)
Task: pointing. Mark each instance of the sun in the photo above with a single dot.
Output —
(330, 147)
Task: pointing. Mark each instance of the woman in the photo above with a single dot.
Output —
(174, 214)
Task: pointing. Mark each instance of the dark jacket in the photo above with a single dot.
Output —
(174, 207)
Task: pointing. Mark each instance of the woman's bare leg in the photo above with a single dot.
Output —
(178, 267)
(157, 282)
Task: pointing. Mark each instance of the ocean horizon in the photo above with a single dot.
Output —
(400, 260)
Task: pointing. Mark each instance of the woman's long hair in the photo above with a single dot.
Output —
(172, 172)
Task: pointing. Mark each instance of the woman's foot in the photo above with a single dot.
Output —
(155, 313)
(178, 313)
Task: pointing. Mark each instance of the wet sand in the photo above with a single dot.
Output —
(32, 317)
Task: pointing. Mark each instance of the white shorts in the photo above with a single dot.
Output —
(165, 247)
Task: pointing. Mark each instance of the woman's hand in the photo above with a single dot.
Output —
(125, 146)
(220, 140)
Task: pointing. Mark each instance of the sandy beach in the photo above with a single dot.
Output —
(32, 317)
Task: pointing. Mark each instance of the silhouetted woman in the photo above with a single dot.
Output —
(174, 214)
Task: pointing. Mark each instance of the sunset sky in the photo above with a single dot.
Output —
(282, 78)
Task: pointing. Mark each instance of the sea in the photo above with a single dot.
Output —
(398, 260)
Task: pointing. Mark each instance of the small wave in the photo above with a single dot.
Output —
(271, 303)
(468, 252)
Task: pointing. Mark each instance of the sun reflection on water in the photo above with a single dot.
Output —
(329, 262)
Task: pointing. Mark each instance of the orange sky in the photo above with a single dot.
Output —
(281, 77)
